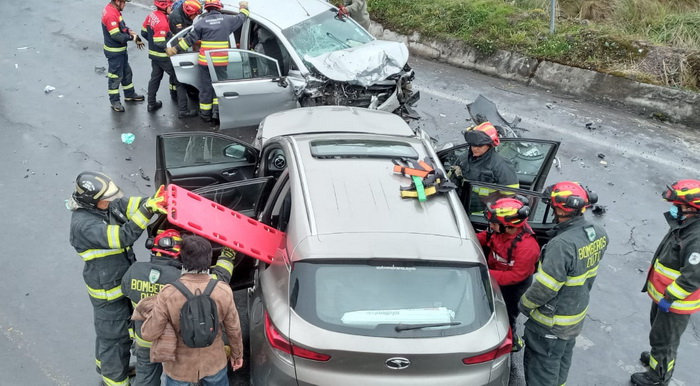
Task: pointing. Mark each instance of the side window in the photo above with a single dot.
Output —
(527, 157)
(282, 210)
(265, 42)
(188, 151)
(246, 65)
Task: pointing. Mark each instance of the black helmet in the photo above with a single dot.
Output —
(93, 187)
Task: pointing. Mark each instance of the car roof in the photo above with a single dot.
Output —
(331, 119)
(282, 13)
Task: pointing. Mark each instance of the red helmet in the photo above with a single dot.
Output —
(192, 7)
(509, 212)
(213, 4)
(683, 192)
(162, 4)
(483, 134)
(166, 242)
(571, 197)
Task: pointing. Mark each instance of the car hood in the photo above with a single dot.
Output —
(363, 65)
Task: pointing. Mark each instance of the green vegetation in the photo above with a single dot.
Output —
(654, 41)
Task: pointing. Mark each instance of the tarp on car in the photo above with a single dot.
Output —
(363, 65)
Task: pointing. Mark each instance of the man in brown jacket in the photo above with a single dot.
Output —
(207, 364)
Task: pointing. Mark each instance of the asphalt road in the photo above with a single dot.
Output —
(48, 138)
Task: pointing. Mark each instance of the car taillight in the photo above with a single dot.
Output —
(278, 341)
(503, 349)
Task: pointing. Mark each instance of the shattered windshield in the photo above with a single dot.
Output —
(325, 33)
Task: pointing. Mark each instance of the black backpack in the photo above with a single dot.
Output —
(199, 322)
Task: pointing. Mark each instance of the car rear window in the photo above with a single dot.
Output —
(348, 148)
(392, 299)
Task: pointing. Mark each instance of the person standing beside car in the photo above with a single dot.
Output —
(513, 253)
(201, 364)
(357, 9)
(104, 226)
(213, 31)
(181, 17)
(557, 302)
(673, 283)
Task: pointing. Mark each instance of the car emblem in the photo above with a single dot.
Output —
(397, 363)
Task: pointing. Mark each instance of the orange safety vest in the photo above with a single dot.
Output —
(661, 278)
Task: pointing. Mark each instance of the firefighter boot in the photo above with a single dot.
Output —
(647, 378)
(187, 114)
(644, 358)
(154, 106)
(518, 343)
(134, 98)
(117, 106)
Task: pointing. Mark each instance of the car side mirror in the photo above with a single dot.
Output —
(281, 81)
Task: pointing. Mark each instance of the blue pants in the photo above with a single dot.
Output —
(119, 72)
(218, 379)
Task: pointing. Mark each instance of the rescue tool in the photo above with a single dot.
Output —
(426, 180)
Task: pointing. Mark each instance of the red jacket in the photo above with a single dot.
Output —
(522, 260)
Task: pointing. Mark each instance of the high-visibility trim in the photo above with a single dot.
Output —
(140, 219)
(114, 49)
(112, 92)
(158, 54)
(111, 382)
(183, 44)
(131, 333)
(215, 101)
(214, 276)
(573, 281)
(114, 31)
(212, 45)
(128, 86)
(92, 254)
(482, 191)
(682, 306)
(663, 270)
(670, 365)
(677, 292)
(113, 237)
(527, 303)
(158, 39)
(113, 76)
(653, 362)
(132, 206)
(103, 294)
(205, 106)
(98, 363)
(548, 281)
(559, 320)
(172, 87)
(134, 304)
(142, 342)
(245, 12)
(225, 264)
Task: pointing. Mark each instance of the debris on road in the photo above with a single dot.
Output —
(603, 162)
(128, 138)
(127, 159)
(24, 48)
(599, 210)
(48, 89)
(601, 155)
(100, 70)
(143, 175)
(16, 65)
(443, 115)
(550, 106)
(589, 126)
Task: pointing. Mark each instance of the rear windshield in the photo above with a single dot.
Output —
(390, 299)
(348, 148)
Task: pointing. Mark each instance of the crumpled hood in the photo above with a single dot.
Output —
(363, 65)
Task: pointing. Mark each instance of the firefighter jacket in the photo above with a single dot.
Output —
(146, 279)
(557, 301)
(103, 238)
(213, 30)
(156, 30)
(115, 32)
(491, 167)
(512, 258)
(675, 268)
(178, 20)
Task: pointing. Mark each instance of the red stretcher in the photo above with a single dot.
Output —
(217, 223)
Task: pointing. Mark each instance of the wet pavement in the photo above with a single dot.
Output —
(48, 138)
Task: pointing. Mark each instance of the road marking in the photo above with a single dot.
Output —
(602, 142)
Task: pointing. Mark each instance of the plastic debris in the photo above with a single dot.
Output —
(60, 96)
(128, 138)
(143, 175)
(549, 106)
(443, 115)
(24, 48)
(599, 210)
(601, 155)
(16, 65)
(100, 70)
(48, 89)
(127, 159)
(603, 162)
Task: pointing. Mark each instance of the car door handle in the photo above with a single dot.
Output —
(186, 64)
(230, 94)
(232, 173)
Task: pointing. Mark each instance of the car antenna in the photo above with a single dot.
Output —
(302, 7)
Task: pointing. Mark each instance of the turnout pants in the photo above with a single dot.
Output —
(158, 67)
(147, 372)
(664, 338)
(512, 295)
(547, 359)
(119, 73)
(207, 96)
(112, 342)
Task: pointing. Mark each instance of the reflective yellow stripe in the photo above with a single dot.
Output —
(113, 237)
(559, 320)
(141, 342)
(665, 271)
(91, 254)
(114, 49)
(215, 44)
(110, 294)
(547, 280)
(215, 101)
(140, 219)
(670, 365)
(115, 91)
(225, 264)
(156, 53)
(214, 276)
(653, 362)
(113, 76)
(245, 12)
(114, 31)
(128, 86)
(573, 281)
(183, 45)
(160, 39)
(527, 303)
(172, 87)
(205, 106)
(98, 362)
(133, 206)
(110, 382)
(131, 333)
(677, 292)
(680, 305)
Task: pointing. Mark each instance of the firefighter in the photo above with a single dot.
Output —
(213, 30)
(144, 279)
(156, 30)
(557, 302)
(182, 16)
(673, 283)
(104, 226)
(513, 253)
(116, 35)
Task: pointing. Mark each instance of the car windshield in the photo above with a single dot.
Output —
(392, 299)
(325, 33)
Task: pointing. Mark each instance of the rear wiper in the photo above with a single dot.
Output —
(406, 327)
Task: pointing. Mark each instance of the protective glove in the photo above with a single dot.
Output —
(228, 253)
(342, 11)
(139, 43)
(157, 202)
(243, 5)
(455, 170)
(665, 304)
(170, 51)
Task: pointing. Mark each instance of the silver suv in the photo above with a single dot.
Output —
(367, 288)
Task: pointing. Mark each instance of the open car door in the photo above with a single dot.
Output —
(185, 64)
(248, 87)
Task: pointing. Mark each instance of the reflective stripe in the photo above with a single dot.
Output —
(114, 49)
(573, 281)
(215, 101)
(141, 342)
(172, 87)
(115, 91)
(559, 320)
(98, 363)
(158, 54)
(677, 292)
(665, 271)
(225, 264)
(114, 30)
(110, 382)
(653, 362)
(527, 303)
(140, 220)
(183, 45)
(205, 106)
(128, 86)
(679, 305)
(161, 39)
(211, 45)
(133, 206)
(92, 254)
(131, 333)
(547, 280)
(102, 294)
(113, 76)
(113, 236)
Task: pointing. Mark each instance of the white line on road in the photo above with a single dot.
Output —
(602, 142)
